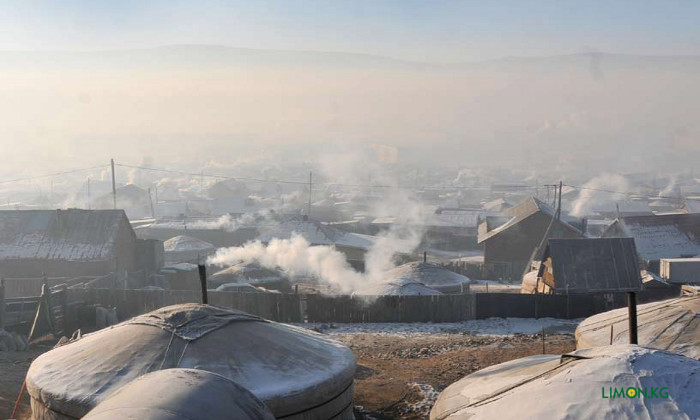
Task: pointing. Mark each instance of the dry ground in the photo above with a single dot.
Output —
(398, 376)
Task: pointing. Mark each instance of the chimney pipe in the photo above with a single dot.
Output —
(632, 314)
(203, 280)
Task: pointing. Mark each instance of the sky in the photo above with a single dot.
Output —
(433, 31)
(209, 99)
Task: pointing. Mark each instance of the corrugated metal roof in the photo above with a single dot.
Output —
(661, 236)
(593, 264)
(72, 235)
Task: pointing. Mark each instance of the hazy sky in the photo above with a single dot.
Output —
(194, 104)
(427, 30)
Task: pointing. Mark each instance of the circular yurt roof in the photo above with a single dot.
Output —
(247, 272)
(399, 287)
(290, 369)
(573, 386)
(430, 274)
(181, 394)
(672, 325)
(184, 243)
(243, 288)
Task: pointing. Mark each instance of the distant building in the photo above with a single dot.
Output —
(509, 241)
(68, 243)
(587, 265)
(660, 236)
(451, 229)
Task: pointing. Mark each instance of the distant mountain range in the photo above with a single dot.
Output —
(203, 56)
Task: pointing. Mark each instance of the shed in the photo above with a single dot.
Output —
(181, 394)
(297, 373)
(65, 243)
(589, 265)
(578, 385)
(672, 325)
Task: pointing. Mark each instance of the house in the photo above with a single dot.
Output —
(509, 241)
(66, 243)
(588, 265)
(660, 236)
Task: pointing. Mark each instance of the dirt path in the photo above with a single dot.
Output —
(400, 377)
(13, 369)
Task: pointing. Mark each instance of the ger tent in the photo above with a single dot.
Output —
(181, 394)
(252, 273)
(615, 382)
(296, 373)
(431, 275)
(399, 287)
(672, 325)
(186, 249)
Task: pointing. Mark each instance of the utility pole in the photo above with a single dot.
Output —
(559, 203)
(150, 200)
(114, 184)
(308, 212)
(88, 193)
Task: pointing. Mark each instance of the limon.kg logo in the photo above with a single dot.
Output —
(632, 392)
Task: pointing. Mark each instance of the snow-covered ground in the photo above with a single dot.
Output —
(491, 326)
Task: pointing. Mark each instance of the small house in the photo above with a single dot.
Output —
(588, 265)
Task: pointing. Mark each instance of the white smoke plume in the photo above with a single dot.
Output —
(589, 198)
(296, 257)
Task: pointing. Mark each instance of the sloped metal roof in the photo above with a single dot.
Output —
(72, 235)
(520, 212)
(661, 236)
(593, 264)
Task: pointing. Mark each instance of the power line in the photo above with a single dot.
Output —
(628, 194)
(306, 183)
(7, 181)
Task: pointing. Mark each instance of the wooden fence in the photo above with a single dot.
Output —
(513, 305)
(441, 308)
(67, 304)
(274, 306)
(52, 311)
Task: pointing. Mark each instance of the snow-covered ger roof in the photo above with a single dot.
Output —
(572, 387)
(429, 274)
(397, 287)
(187, 243)
(181, 394)
(672, 325)
(293, 371)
